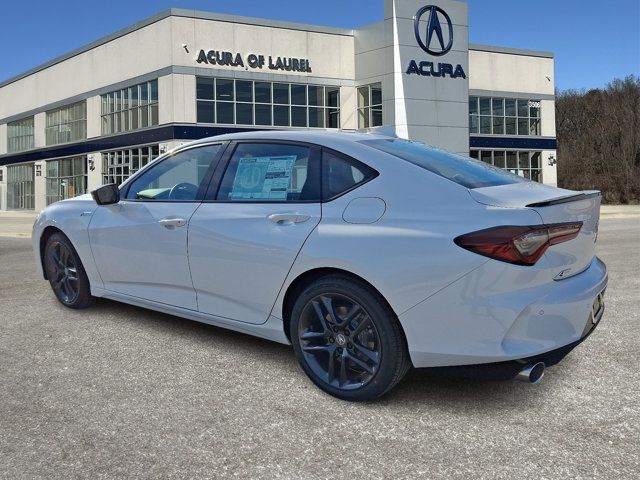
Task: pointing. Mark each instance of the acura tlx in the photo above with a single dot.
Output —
(367, 253)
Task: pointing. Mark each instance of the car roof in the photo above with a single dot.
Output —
(328, 138)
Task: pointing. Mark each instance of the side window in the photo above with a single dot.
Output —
(177, 178)
(271, 172)
(341, 174)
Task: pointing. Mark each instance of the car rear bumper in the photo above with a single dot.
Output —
(498, 313)
(508, 370)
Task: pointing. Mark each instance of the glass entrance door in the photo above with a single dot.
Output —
(20, 188)
(66, 178)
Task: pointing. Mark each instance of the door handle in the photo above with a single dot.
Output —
(288, 218)
(171, 222)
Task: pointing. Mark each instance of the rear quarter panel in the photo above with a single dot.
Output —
(408, 254)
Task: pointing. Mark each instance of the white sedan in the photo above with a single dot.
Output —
(368, 253)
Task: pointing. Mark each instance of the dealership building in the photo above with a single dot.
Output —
(99, 113)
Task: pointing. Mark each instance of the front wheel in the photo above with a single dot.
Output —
(347, 339)
(65, 272)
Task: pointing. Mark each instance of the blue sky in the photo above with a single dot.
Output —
(594, 41)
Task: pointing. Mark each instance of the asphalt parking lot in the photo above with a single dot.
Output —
(118, 391)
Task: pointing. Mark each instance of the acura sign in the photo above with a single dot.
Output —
(234, 59)
(434, 27)
(434, 41)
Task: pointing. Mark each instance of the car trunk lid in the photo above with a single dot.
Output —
(554, 206)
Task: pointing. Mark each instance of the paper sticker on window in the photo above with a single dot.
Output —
(263, 178)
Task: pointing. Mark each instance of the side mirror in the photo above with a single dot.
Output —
(106, 194)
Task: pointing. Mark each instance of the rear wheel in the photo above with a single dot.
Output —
(65, 272)
(347, 339)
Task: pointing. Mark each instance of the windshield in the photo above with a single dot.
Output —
(461, 170)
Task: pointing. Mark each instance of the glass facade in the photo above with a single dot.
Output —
(504, 116)
(234, 102)
(20, 135)
(370, 106)
(66, 178)
(248, 102)
(20, 190)
(527, 164)
(130, 108)
(67, 124)
(119, 165)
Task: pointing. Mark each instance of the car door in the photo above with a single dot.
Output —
(245, 237)
(140, 243)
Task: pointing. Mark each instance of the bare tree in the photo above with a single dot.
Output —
(599, 140)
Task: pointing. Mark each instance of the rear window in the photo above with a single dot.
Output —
(461, 170)
(340, 175)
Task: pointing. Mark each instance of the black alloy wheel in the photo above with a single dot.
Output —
(65, 272)
(347, 339)
(339, 341)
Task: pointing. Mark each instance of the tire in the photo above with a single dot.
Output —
(347, 339)
(66, 273)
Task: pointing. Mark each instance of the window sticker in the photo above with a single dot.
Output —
(263, 178)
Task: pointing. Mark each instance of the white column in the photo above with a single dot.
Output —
(182, 101)
(548, 118)
(429, 109)
(94, 128)
(548, 129)
(165, 99)
(40, 186)
(94, 177)
(39, 124)
(549, 168)
(348, 106)
(3, 139)
(3, 188)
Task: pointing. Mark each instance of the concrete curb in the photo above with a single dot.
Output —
(12, 214)
(619, 211)
(15, 235)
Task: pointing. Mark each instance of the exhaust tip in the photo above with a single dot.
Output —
(531, 374)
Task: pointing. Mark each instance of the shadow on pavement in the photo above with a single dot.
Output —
(420, 386)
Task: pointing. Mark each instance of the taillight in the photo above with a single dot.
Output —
(518, 245)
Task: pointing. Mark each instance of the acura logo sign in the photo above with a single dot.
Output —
(436, 41)
(435, 17)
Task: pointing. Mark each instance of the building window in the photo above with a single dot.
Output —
(20, 190)
(66, 178)
(370, 106)
(66, 124)
(20, 135)
(130, 108)
(119, 165)
(504, 116)
(248, 102)
(524, 163)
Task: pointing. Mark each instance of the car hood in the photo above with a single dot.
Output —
(85, 197)
(85, 201)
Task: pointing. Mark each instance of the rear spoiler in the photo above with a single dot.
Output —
(567, 199)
